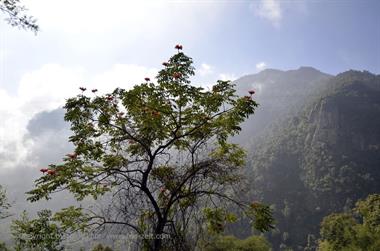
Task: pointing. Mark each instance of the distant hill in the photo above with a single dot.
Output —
(279, 93)
(320, 156)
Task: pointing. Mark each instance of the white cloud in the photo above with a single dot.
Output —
(46, 89)
(94, 34)
(227, 76)
(206, 69)
(268, 9)
(261, 66)
(123, 76)
(123, 23)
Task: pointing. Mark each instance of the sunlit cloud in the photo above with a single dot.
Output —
(227, 76)
(261, 66)
(268, 9)
(46, 89)
(205, 69)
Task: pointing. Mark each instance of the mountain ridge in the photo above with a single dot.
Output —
(319, 159)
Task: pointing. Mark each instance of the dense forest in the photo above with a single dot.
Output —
(320, 159)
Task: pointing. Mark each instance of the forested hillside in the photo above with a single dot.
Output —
(279, 94)
(313, 147)
(320, 160)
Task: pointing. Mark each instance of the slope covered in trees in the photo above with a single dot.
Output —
(320, 160)
(358, 229)
(313, 148)
(279, 94)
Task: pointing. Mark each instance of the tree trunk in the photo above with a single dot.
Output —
(157, 242)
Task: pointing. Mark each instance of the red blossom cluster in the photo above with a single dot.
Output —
(82, 89)
(251, 92)
(147, 79)
(165, 64)
(48, 171)
(94, 90)
(178, 47)
(156, 113)
(255, 204)
(51, 172)
(72, 155)
(177, 75)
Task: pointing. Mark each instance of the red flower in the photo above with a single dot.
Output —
(109, 98)
(72, 155)
(165, 64)
(255, 204)
(131, 141)
(51, 172)
(251, 92)
(156, 114)
(147, 79)
(177, 75)
(44, 170)
(120, 114)
(178, 47)
(82, 89)
(94, 90)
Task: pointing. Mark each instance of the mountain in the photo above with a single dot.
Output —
(279, 93)
(319, 159)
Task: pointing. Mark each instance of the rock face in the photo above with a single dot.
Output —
(321, 158)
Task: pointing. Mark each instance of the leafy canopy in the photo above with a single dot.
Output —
(37, 234)
(4, 204)
(17, 16)
(358, 230)
(162, 151)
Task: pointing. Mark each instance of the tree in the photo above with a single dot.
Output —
(16, 15)
(4, 204)
(100, 247)
(162, 151)
(228, 243)
(357, 230)
(37, 234)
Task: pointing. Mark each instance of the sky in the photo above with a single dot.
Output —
(116, 43)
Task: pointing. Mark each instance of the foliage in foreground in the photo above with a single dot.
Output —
(100, 247)
(160, 152)
(37, 234)
(4, 204)
(16, 15)
(229, 243)
(354, 231)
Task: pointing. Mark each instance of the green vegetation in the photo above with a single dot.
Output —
(100, 247)
(159, 160)
(161, 152)
(16, 15)
(229, 243)
(321, 160)
(37, 234)
(4, 204)
(357, 230)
